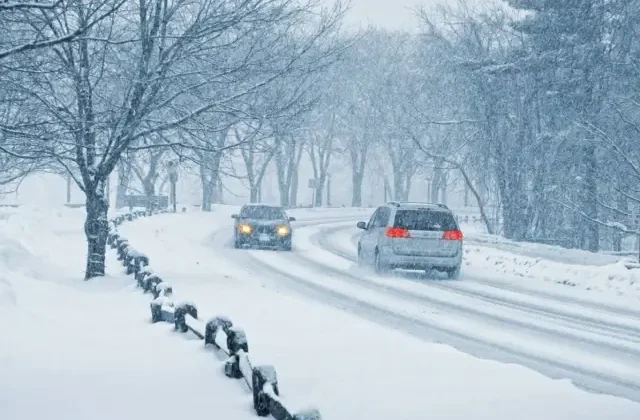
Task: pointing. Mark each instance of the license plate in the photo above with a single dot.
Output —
(264, 237)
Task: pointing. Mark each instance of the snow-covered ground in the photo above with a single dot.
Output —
(74, 350)
(298, 310)
(352, 345)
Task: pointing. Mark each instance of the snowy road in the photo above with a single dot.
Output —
(596, 346)
(561, 335)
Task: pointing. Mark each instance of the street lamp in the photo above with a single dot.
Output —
(172, 169)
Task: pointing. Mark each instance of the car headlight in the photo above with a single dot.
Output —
(283, 230)
(245, 228)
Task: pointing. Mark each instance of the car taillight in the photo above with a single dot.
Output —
(395, 232)
(452, 235)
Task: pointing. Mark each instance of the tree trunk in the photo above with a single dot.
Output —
(591, 197)
(124, 176)
(149, 189)
(356, 182)
(220, 195)
(254, 194)
(293, 200)
(319, 195)
(479, 200)
(466, 195)
(207, 195)
(68, 189)
(209, 169)
(96, 229)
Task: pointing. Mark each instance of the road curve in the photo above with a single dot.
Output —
(603, 341)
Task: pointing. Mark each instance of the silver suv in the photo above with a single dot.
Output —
(414, 236)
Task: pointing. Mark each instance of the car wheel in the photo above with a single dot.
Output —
(454, 274)
(287, 246)
(380, 267)
(237, 244)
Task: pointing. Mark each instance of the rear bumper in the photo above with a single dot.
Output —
(392, 260)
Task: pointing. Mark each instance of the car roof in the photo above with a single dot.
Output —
(415, 205)
(261, 205)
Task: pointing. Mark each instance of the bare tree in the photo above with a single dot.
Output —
(320, 149)
(132, 76)
(30, 23)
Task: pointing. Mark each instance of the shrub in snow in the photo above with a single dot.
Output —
(156, 311)
(237, 340)
(264, 385)
(150, 282)
(139, 263)
(122, 244)
(162, 289)
(142, 275)
(112, 240)
(181, 311)
(232, 368)
(213, 326)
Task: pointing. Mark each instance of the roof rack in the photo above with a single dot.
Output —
(399, 204)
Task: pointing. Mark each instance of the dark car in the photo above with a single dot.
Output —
(263, 226)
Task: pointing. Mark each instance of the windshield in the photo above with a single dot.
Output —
(262, 213)
(425, 220)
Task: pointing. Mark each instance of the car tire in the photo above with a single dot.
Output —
(237, 244)
(454, 274)
(378, 265)
(287, 246)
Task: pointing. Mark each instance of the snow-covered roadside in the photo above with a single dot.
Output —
(611, 279)
(348, 367)
(85, 350)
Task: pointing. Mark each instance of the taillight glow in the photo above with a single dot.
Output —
(452, 235)
(395, 232)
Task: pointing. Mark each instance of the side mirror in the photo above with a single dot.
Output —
(234, 216)
(362, 225)
(292, 219)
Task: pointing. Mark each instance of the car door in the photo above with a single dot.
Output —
(367, 239)
(380, 226)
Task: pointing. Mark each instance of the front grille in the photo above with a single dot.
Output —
(264, 229)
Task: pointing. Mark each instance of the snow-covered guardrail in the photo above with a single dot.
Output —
(218, 333)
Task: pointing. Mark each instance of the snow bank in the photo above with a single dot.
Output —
(78, 350)
(613, 278)
(535, 250)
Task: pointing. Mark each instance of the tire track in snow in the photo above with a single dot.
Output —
(627, 349)
(423, 329)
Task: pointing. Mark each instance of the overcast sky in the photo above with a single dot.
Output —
(392, 14)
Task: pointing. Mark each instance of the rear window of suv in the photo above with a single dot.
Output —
(425, 219)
